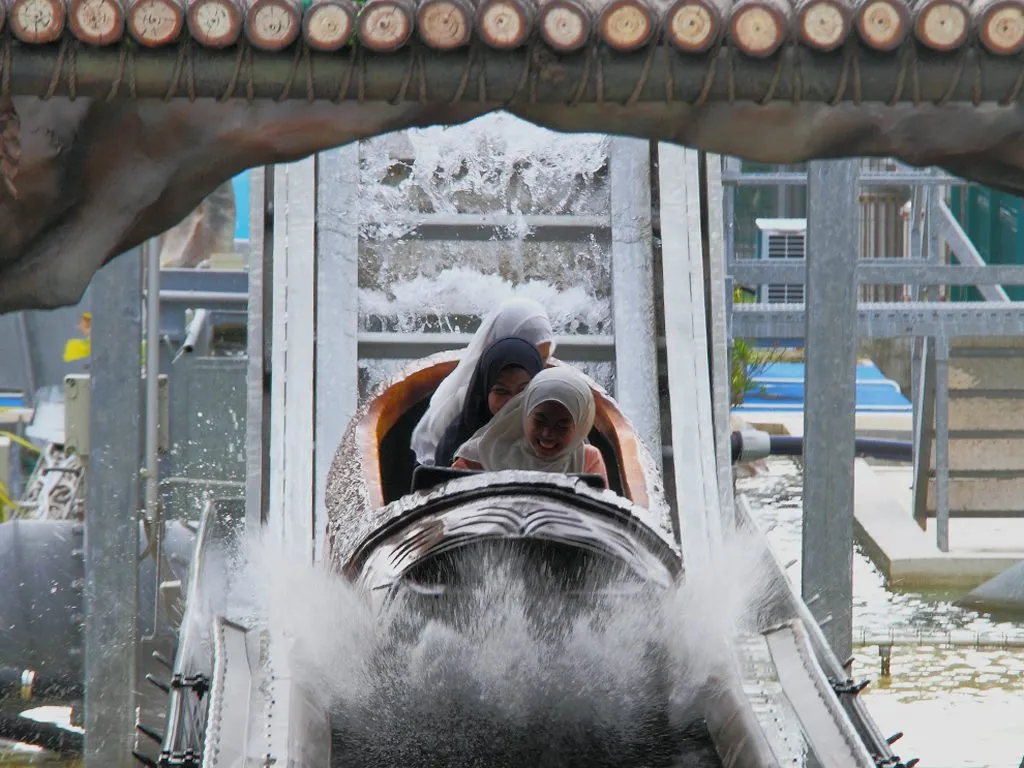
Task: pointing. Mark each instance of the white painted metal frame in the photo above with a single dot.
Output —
(718, 311)
(293, 356)
(337, 313)
(686, 347)
(632, 260)
(256, 401)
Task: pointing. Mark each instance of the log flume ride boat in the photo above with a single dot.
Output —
(414, 537)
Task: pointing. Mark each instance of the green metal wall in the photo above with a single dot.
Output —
(995, 223)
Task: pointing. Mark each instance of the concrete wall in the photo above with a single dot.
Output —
(892, 356)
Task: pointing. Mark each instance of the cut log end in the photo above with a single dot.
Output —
(693, 26)
(1002, 28)
(272, 25)
(504, 24)
(824, 25)
(444, 24)
(565, 25)
(882, 24)
(96, 22)
(942, 26)
(153, 23)
(758, 29)
(214, 23)
(328, 26)
(37, 21)
(627, 25)
(384, 26)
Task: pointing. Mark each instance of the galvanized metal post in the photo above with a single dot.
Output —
(941, 443)
(257, 413)
(292, 440)
(829, 412)
(112, 510)
(719, 305)
(337, 312)
(151, 471)
(636, 353)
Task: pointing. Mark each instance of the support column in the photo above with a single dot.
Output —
(636, 354)
(293, 356)
(337, 313)
(112, 509)
(941, 444)
(719, 307)
(830, 410)
(686, 351)
(257, 377)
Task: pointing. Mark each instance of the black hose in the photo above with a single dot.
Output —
(41, 688)
(889, 450)
(45, 735)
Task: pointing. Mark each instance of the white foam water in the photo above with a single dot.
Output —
(511, 673)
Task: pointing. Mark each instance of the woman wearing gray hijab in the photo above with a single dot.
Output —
(542, 429)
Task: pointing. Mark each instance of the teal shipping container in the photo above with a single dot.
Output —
(994, 222)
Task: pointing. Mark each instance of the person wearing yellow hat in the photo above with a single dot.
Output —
(80, 348)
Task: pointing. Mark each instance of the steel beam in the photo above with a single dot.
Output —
(292, 445)
(636, 354)
(496, 226)
(829, 412)
(941, 445)
(689, 372)
(885, 271)
(885, 320)
(257, 411)
(337, 313)
(111, 518)
(412, 346)
(719, 305)
(903, 178)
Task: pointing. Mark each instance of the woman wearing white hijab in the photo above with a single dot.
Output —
(543, 429)
(524, 318)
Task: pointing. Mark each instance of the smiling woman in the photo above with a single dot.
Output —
(543, 429)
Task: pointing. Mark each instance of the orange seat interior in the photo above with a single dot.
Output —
(394, 402)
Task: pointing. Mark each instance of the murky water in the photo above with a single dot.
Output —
(957, 707)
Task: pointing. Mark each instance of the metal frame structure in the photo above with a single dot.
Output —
(111, 517)
(929, 321)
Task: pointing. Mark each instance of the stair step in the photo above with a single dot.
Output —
(982, 494)
(981, 454)
(1003, 373)
(990, 342)
(978, 413)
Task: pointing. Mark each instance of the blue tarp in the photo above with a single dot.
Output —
(780, 386)
(241, 183)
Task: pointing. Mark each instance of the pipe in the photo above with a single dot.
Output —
(753, 444)
(152, 490)
(45, 735)
(889, 450)
(28, 685)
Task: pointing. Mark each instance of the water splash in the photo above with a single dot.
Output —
(506, 672)
(497, 164)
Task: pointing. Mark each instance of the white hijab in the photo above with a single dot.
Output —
(502, 443)
(524, 318)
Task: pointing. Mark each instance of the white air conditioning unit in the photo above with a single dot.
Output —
(781, 239)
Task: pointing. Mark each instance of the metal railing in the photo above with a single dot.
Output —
(931, 322)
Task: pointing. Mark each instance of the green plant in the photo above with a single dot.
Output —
(747, 362)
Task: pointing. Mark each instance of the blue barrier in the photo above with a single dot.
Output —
(780, 387)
